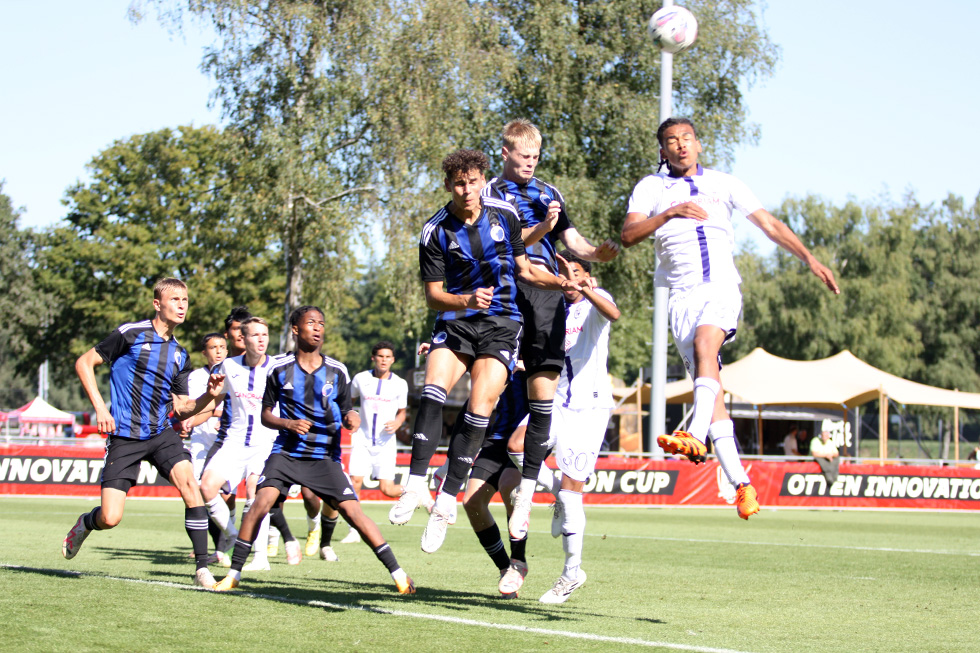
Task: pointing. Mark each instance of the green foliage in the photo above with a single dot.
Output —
(159, 204)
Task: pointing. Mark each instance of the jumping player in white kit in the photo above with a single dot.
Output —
(583, 405)
(245, 443)
(688, 213)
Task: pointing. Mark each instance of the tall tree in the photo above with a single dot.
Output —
(23, 306)
(159, 204)
(337, 102)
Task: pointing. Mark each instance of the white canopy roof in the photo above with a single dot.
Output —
(40, 411)
(841, 380)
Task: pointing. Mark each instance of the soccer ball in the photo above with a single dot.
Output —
(673, 28)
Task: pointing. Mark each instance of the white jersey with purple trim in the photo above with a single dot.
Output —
(381, 399)
(244, 387)
(691, 252)
(584, 383)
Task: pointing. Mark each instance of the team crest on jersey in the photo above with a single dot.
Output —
(327, 388)
(178, 358)
(439, 338)
(497, 233)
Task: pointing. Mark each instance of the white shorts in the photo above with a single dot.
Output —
(236, 462)
(577, 436)
(376, 462)
(198, 447)
(709, 303)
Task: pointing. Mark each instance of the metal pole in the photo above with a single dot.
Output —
(658, 373)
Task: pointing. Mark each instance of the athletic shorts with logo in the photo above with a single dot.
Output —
(124, 455)
(542, 347)
(577, 437)
(324, 477)
(716, 304)
(376, 461)
(235, 462)
(481, 335)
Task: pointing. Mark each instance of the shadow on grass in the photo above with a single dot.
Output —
(339, 595)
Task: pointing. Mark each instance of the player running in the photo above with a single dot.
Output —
(688, 213)
(544, 222)
(148, 372)
(583, 405)
(474, 245)
(313, 394)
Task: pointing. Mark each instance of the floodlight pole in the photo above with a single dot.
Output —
(658, 372)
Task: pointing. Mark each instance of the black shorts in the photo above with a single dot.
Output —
(543, 346)
(124, 455)
(483, 335)
(492, 462)
(325, 478)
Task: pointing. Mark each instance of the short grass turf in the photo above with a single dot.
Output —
(658, 578)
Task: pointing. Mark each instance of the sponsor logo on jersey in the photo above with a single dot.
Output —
(497, 233)
(439, 338)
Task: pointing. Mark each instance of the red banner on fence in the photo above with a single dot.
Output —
(75, 471)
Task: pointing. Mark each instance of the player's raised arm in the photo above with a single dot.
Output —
(579, 245)
(535, 276)
(779, 233)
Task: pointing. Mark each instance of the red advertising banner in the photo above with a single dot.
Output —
(75, 471)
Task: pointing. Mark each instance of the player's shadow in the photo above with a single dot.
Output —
(152, 556)
(338, 595)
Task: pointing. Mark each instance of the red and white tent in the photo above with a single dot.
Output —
(38, 411)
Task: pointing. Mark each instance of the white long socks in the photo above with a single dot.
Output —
(573, 531)
(723, 438)
(221, 516)
(546, 476)
(706, 390)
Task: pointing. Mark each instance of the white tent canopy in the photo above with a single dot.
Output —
(840, 381)
(41, 412)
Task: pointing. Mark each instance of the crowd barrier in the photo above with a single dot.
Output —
(75, 471)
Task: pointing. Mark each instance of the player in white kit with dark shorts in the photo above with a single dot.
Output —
(687, 211)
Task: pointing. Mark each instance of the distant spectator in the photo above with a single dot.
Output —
(824, 451)
(790, 446)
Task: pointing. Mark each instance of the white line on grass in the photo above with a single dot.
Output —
(395, 613)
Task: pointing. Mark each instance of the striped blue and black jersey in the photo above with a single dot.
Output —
(144, 370)
(531, 201)
(321, 397)
(472, 256)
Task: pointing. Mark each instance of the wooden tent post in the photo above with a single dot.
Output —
(758, 427)
(882, 426)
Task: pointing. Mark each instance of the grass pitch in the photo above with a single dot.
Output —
(658, 578)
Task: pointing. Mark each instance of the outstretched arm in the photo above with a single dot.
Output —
(578, 245)
(537, 277)
(783, 236)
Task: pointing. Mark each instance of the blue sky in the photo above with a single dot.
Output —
(870, 99)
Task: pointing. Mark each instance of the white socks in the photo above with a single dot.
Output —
(573, 531)
(221, 516)
(706, 390)
(723, 437)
